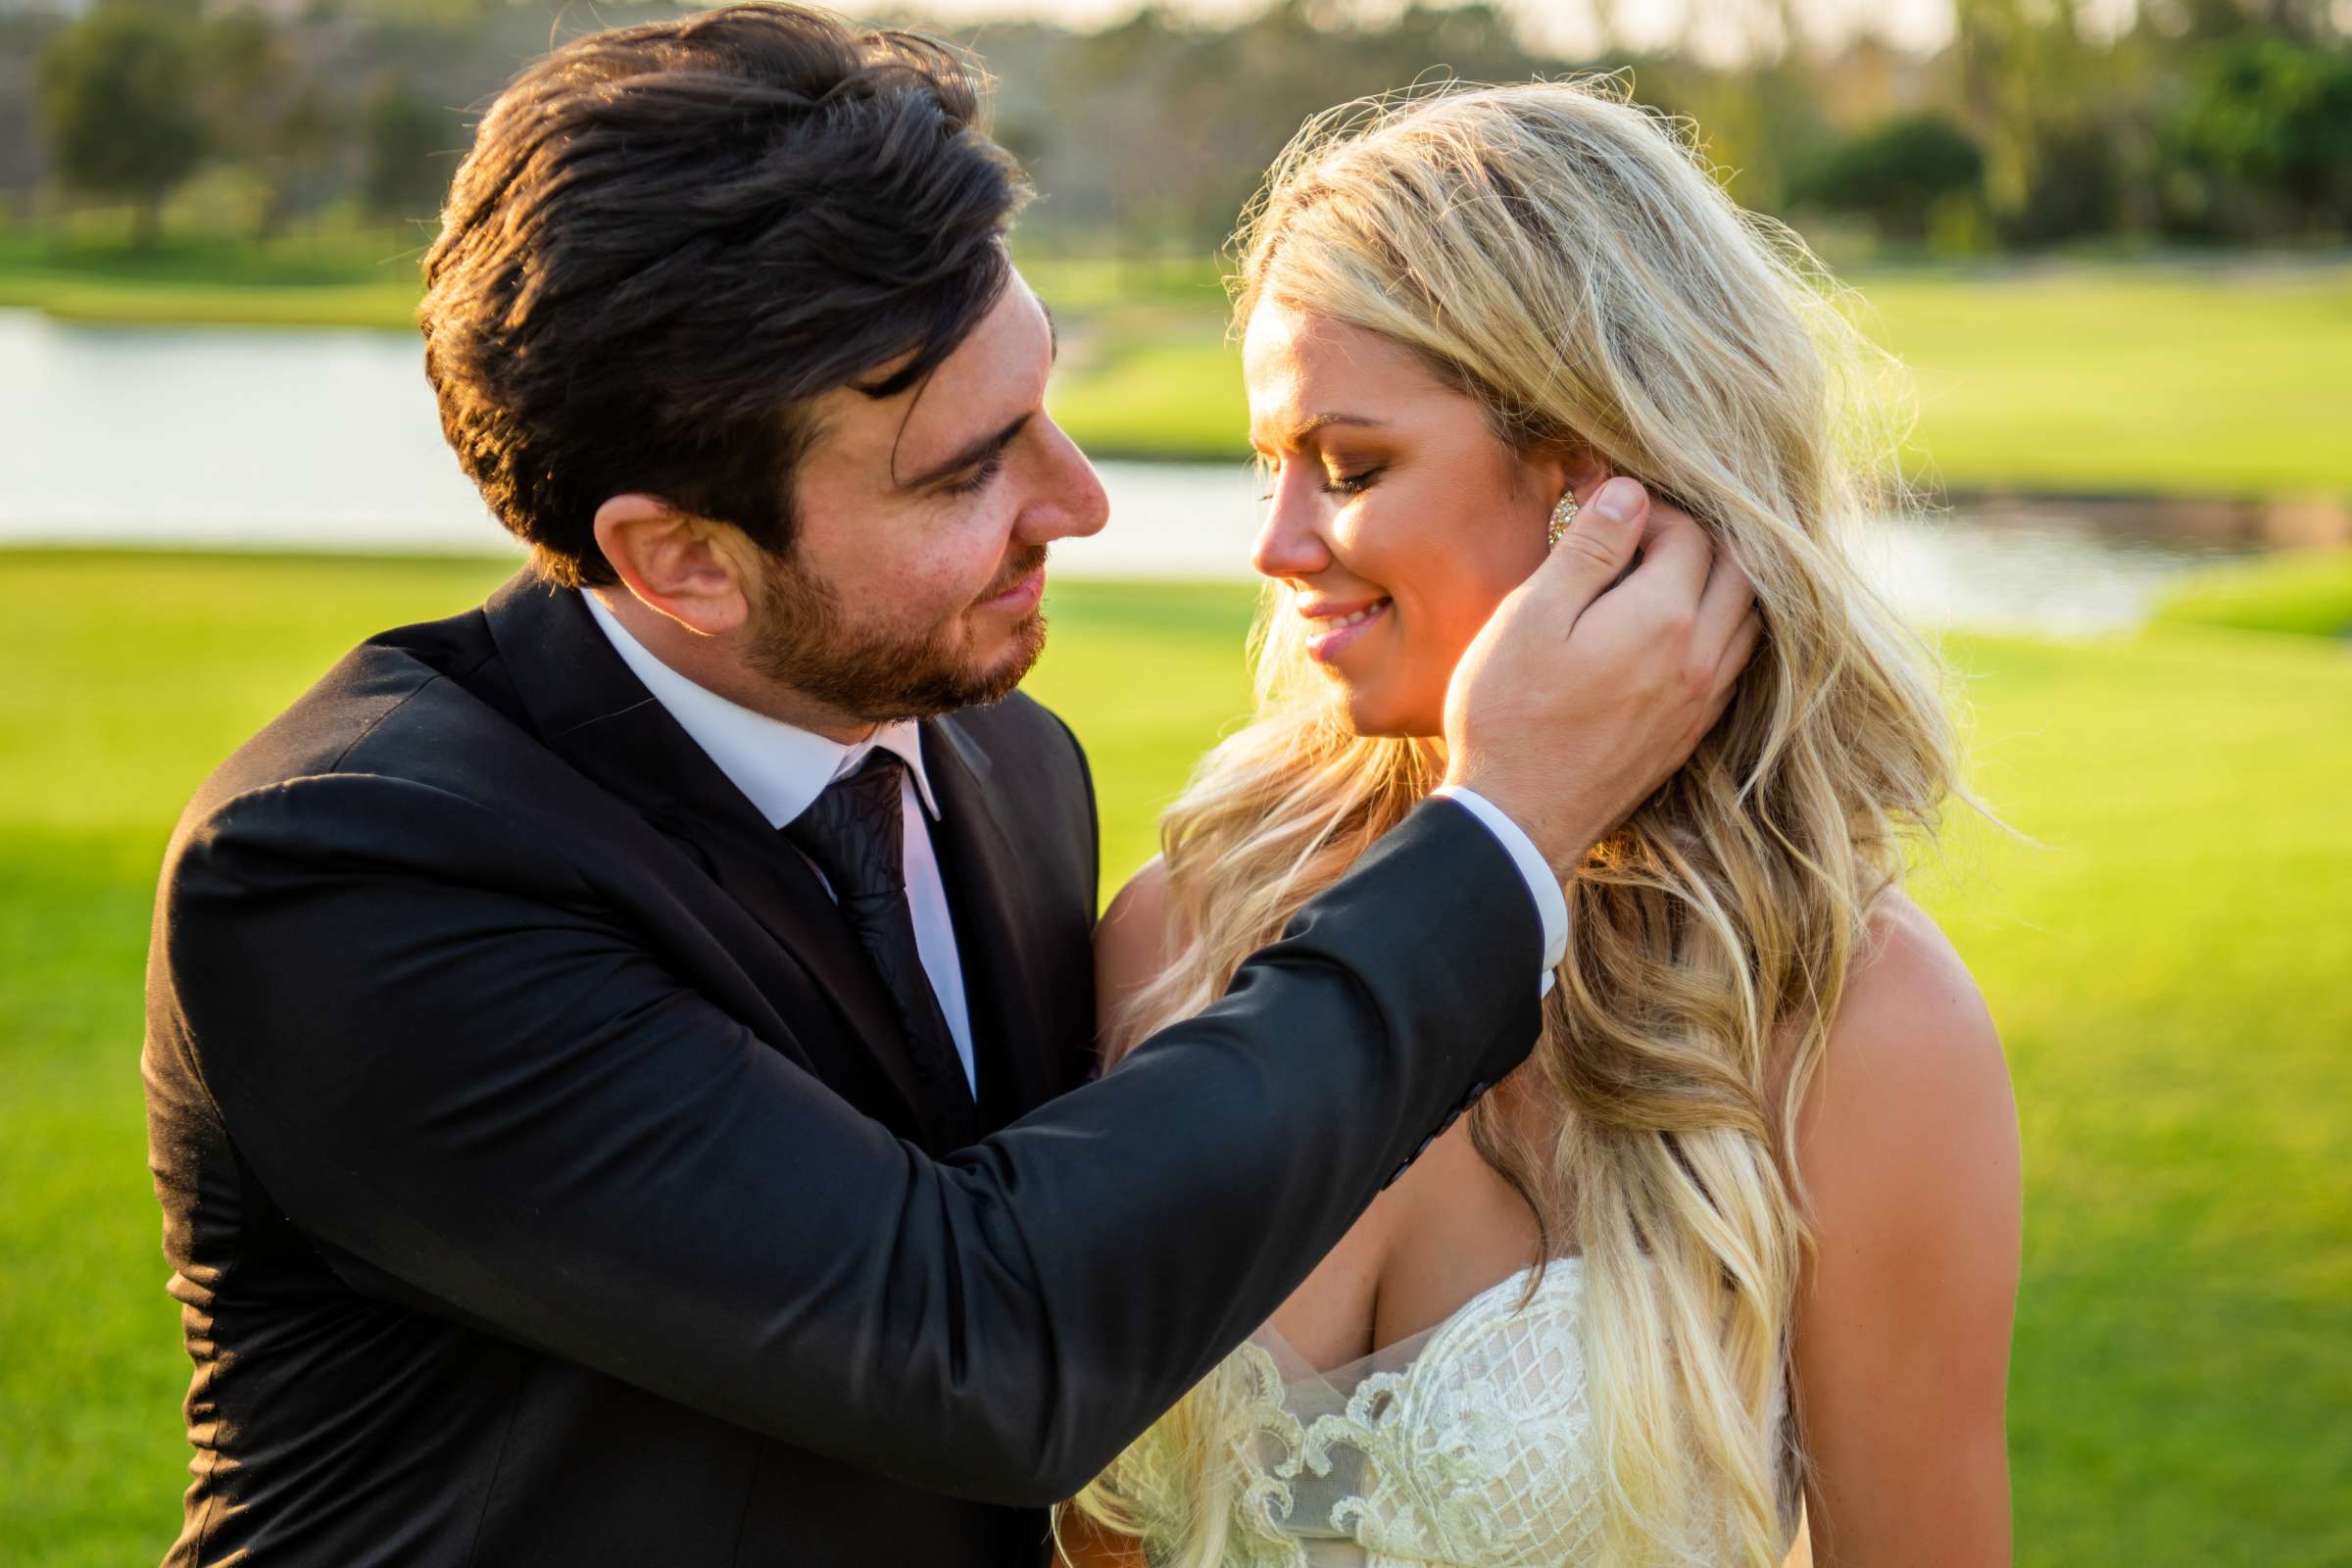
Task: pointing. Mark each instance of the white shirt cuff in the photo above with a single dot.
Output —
(1551, 905)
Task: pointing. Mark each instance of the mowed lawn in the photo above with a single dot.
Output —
(2171, 967)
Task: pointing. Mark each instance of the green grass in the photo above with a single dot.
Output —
(2302, 593)
(2169, 973)
(2136, 379)
(2130, 377)
(1173, 393)
(337, 279)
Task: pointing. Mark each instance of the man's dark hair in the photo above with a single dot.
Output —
(667, 238)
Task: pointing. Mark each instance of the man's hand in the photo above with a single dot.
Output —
(1580, 697)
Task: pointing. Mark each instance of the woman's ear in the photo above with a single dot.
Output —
(675, 563)
(1554, 470)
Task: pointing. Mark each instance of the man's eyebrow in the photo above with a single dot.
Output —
(987, 447)
(971, 455)
(1321, 419)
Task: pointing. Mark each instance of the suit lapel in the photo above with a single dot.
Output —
(769, 878)
(987, 891)
(590, 709)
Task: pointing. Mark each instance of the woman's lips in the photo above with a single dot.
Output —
(1334, 634)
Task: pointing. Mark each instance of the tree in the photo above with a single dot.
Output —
(402, 136)
(2058, 107)
(1898, 173)
(262, 108)
(118, 104)
(2267, 131)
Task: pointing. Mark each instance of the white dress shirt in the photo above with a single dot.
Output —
(1551, 905)
(782, 768)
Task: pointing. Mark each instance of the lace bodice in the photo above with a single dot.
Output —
(1466, 1446)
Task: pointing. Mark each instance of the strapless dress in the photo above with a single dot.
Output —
(1467, 1445)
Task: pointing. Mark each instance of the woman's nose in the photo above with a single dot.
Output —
(1289, 543)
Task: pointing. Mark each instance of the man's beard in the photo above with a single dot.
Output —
(803, 642)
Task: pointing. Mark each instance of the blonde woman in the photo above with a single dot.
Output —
(1731, 1261)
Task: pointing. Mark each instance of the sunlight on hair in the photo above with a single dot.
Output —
(1567, 259)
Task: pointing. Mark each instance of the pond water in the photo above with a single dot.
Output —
(327, 440)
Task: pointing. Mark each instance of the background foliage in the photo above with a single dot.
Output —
(2196, 121)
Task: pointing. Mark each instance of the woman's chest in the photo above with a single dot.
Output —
(1448, 1229)
(1467, 1445)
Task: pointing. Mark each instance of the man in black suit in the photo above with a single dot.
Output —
(614, 1057)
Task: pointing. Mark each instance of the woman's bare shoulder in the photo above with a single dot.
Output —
(1911, 1005)
(1141, 902)
(1907, 1144)
(1912, 1103)
(1131, 938)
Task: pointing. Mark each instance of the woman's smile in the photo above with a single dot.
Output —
(1396, 517)
(1334, 628)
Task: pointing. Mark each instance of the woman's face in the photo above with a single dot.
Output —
(1396, 516)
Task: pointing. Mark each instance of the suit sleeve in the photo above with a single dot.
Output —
(480, 1094)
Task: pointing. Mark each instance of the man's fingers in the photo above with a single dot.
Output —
(1730, 595)
(1598, 545)
(1736, 655)
(1676, 555)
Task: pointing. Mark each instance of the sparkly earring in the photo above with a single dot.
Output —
(1563, 515)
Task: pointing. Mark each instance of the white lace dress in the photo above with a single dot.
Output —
(1468, 1446)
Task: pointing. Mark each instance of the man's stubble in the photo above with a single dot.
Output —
(804, 641)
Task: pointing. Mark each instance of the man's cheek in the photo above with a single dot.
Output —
(968, 578)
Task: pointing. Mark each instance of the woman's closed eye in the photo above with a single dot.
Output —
(1269, 478)
(1350, 485)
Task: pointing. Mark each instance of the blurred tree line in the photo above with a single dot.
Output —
(2211, 120)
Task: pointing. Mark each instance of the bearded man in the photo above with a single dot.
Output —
(617, 1057)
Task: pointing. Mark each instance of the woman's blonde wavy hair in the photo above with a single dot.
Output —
(1566, 258)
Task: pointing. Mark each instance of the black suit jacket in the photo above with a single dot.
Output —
(539, 1160)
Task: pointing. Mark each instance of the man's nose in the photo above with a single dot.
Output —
(1070, 502)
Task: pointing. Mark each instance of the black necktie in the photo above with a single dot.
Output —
(855, 832)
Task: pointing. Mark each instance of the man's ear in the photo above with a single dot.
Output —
(675, 563)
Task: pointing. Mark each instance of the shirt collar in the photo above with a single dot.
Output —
(780, 768)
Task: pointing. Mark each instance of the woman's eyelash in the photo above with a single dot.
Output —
(1342, 484)
(980, 478)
